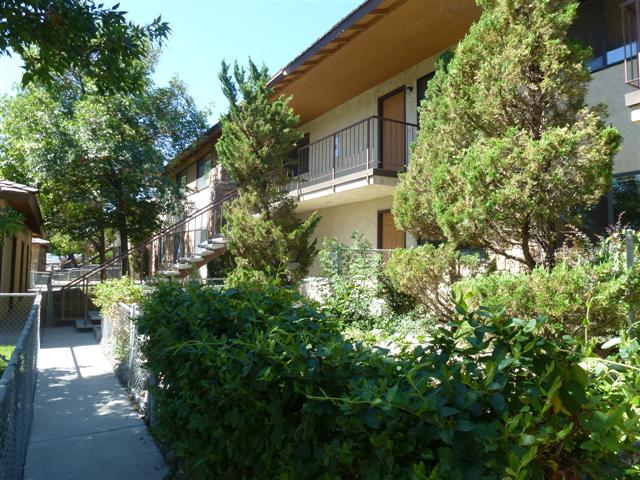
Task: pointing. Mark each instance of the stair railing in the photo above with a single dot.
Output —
(213, 212)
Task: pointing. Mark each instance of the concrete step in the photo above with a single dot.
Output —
(84, 324)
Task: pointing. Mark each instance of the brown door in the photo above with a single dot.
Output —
(388, 235)
(392, 130)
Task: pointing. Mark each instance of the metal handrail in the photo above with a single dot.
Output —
(141, 245)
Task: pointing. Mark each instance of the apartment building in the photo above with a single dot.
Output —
(358, 88)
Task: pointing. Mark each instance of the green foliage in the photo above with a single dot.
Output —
(352, 279)
(99, 159)
(507, 148)
(257, 384)
(258, 135)
(125, 290)
(571, 297)
(54, 37)
(426, 274)
(11, 222)
(5, 355)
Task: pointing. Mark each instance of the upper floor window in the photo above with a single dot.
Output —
(599, 25)
(203, 168)
(181, 179)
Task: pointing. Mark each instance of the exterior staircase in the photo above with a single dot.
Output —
(175, 253)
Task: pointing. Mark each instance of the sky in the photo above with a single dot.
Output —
(204, 32)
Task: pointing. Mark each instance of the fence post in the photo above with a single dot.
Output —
(49, 319)
(132, 346)
(628, 240)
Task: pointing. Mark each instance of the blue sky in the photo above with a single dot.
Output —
(204, 32)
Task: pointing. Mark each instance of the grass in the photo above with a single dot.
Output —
(5, 351)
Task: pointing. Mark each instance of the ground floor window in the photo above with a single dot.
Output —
(621, 205)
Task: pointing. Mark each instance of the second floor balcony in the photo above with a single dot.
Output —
(373, 146)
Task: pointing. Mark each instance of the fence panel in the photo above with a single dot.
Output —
(18, 383)
(121, 344)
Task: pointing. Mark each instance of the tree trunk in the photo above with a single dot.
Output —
(123, 231)
(102, 254)
(526, 249)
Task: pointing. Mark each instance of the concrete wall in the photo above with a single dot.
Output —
(607, 86)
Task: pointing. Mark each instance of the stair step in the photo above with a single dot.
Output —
(170, 273)
(84, 324)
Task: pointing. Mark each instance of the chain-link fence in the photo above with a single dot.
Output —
(18, 382)
(121, 343)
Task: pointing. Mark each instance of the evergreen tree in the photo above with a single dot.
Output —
(258, 137)
(508, 151)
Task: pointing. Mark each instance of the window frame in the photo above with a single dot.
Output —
(202, 179)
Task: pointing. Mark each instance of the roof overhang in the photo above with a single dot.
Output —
(376, 41)
(24, 200)
(201, 143)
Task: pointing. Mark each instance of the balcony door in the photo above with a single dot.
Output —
(393, 138)
(389, 237)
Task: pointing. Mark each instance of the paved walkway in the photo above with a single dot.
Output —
(84, 425)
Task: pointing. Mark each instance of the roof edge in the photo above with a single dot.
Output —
(338, 29)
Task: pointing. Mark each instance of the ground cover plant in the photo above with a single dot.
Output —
(256, 383)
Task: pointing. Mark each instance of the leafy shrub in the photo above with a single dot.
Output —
(257, 384)
(5, 355)
(124, 290)
(107, 296)
(352, 274)
(426, 274)
(570, 296)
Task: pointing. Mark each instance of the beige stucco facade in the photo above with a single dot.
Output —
(341, 221)
(366, 104)
(607, 86)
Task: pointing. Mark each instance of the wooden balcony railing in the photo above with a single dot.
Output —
(372, 143)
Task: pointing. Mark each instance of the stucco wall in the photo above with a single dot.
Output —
(341, 221)
(607, 86)
(366, 104)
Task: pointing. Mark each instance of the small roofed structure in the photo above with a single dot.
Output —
(17, 247)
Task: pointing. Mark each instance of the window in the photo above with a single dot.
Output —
(181, 179)
(621, 204)
(626, 200)
(202, 171)
(599, 26)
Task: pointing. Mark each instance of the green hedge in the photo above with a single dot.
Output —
(569, 296)
(257, 384)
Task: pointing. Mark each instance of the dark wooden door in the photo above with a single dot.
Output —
(389, 236)
(392, 130)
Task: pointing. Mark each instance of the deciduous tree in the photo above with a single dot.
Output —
(55, 36)
(98, 159)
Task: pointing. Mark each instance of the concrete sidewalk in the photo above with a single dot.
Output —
(84, 425)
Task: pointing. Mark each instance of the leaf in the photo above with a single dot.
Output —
(465, 425)
(611, 343)
(371, 419)
(447, 411)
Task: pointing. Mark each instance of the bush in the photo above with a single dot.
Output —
(569, 296)
(426, 273)
(352, 274)
(124, 290)
(257, 384)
